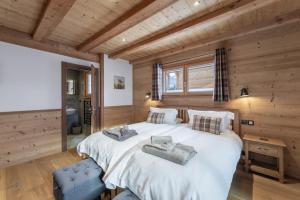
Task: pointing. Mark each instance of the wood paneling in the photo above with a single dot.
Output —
(268, 63)
(52, 16)
(261, 12)
(187, 23)
(29, 135)
(86, 18)
(167, 18)
(24, 39)
(21, 15)
(101, 86)
(117, 115)
(278, 21)
(137, 14)
(161, 28)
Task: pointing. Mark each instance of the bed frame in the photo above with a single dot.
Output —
(183, 114)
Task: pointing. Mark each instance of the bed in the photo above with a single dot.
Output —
(108, 152)
(206, 176)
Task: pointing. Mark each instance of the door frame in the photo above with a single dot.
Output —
(65, 66)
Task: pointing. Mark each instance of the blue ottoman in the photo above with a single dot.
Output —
(126, 195)
(80, 181)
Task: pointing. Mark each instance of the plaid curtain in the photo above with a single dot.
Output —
(221, 92)
(157, 82)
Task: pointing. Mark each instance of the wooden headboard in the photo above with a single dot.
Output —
(183, 114)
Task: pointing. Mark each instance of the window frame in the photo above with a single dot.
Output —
(185, 68)
(164, 80)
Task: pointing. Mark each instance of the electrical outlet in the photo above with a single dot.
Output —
(247, 122)
(250, 122)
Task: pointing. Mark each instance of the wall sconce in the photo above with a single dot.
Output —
(244, 92)
(148, 95)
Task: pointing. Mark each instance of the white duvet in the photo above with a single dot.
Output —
(207, 176)
(108, 152)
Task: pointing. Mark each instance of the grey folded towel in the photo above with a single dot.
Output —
(163, 147)
(114, 131)
(119, 134)
(179, 154)
(161, 139)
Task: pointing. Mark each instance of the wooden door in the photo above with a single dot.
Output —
(94, 101)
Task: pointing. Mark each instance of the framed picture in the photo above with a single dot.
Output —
(119, 82)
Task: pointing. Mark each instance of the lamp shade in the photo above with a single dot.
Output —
(148, 95)
(244, 92)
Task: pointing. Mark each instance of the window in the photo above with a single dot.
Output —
(88, 84)
(189, 79)
(200, 78)
(173, 80)
(71, 87)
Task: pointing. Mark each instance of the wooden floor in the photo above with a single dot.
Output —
(33, 181)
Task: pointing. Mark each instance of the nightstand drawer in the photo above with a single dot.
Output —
(263, 149)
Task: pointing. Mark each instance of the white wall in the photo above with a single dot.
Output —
(118, 67)
(31, 79)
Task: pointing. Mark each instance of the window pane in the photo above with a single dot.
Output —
(201, 78)
(174, 80)
(71, 87)
(89, 84)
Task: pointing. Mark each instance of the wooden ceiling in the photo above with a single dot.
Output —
(136, 30)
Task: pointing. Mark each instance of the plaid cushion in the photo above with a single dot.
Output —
(156, 118)
(207, 124)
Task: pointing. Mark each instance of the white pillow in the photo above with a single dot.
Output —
(224, 115)
(170, 114)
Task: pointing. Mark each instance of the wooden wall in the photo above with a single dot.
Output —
(266, 62)
(117, 115)
(29, 135)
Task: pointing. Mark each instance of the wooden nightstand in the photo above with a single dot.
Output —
(268, 147)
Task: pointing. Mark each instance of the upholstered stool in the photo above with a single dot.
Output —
(126, 195)
(80, 181)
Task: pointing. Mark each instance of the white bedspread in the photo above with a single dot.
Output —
(108, 152)
(207, 176)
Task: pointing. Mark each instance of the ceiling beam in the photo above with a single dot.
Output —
(278, 21)
(52, 16)
(24, 39)
(231, 8)
(137, 14)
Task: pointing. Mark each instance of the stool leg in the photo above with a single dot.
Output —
(105, 195)
(281, 166)
(113, 193)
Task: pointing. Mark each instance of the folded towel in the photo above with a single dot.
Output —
(114, 131)
(161, 139)
(125, 130)
(163, 147)
(179, 154)
(119, 134)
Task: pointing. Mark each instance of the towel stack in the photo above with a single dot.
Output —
(163, 147)
(119, 133)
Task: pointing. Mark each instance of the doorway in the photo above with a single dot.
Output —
(80, 116)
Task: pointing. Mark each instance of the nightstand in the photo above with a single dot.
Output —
(268, 147)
